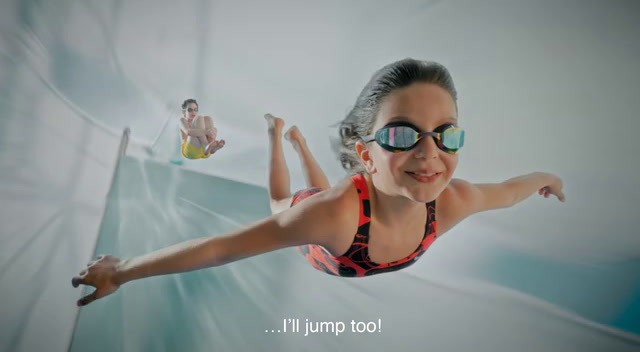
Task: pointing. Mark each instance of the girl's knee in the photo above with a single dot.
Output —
(198, 122)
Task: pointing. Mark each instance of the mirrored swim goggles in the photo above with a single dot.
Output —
(401, 136)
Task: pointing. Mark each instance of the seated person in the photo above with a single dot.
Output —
(198, 133)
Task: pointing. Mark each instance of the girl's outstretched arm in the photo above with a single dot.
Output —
(462, 198)
(316, 220)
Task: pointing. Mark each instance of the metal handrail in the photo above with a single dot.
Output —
(122, 149)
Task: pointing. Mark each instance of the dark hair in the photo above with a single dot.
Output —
(359, 122)
(187, 102)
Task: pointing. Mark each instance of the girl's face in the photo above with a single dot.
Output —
(426, 106)
(191, 111)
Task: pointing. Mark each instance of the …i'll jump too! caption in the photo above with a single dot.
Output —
(292, 325)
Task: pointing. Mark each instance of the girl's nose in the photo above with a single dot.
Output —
(426, 148)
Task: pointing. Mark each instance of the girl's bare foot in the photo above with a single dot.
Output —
(215, 146)
(294, 136)
(275, 124)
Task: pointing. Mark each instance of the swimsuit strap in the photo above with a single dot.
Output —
(365, 203)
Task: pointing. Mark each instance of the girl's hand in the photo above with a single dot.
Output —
(101, 274)
(555, 188)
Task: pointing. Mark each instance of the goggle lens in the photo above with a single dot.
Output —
(453, 138)
(399, 137)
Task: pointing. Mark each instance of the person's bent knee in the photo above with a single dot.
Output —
(198, 122)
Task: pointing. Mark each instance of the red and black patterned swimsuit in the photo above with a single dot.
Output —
(355, 261)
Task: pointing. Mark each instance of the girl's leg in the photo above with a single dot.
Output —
(195, 141)
(313, 173)
(199, 123)
(278, 172)
(212, 145)
(209, 129)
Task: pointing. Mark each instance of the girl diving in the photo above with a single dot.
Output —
(400, 144)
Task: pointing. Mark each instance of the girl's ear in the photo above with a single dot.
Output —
(365, 156)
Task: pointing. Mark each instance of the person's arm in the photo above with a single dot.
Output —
(185, 127)
(461, 198)
(316, 220)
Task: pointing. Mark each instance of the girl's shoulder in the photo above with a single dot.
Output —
(453, 204)
(323, 218)
(343, 196)
(342, 203)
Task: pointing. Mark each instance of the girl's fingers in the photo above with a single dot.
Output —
(88, 299)
(77, 280)
(561, 197)
(81, 278)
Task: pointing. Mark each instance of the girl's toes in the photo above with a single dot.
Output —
(219, 144)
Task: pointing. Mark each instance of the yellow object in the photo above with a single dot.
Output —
(192, 152)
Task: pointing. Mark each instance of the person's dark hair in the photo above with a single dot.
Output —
(187, 102)
(359, 122)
